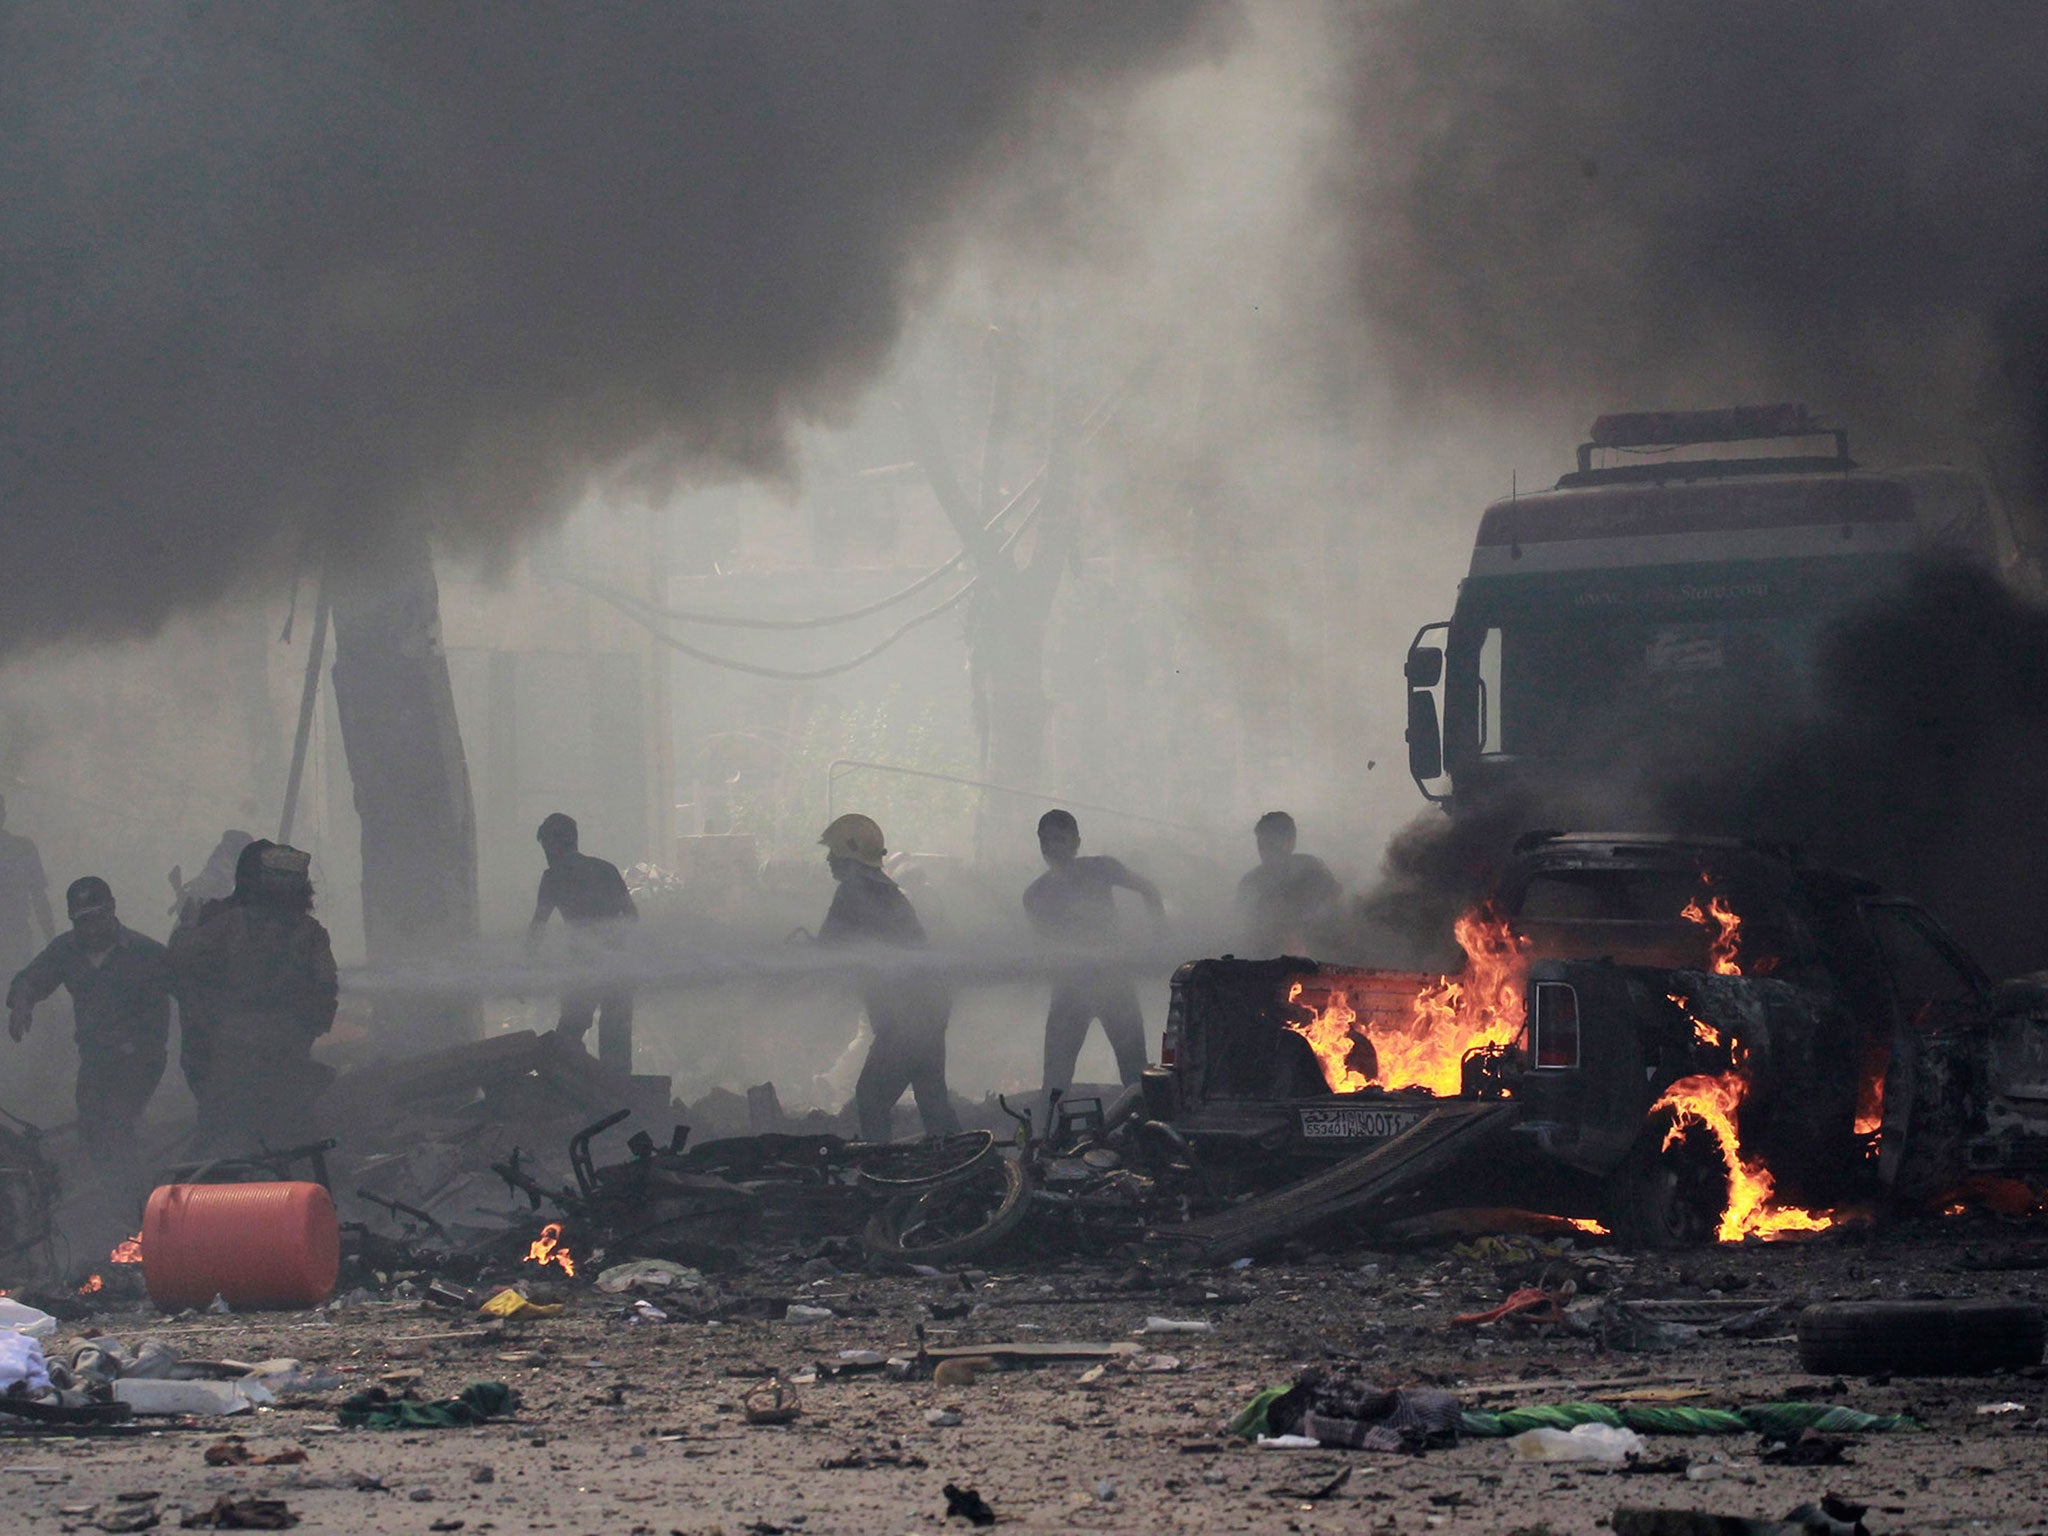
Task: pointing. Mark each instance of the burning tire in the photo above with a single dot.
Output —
(1668, 1196)
(952, 1221)
(1919, 1338)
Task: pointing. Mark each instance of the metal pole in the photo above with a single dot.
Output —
(316, 650)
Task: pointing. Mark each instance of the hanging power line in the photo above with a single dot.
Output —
(782, 674)
(1029, 491)
(643, 614)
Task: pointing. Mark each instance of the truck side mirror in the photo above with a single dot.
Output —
(1425, 737)
(1425, 667)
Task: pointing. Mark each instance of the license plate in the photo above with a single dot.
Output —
(1355, 1123)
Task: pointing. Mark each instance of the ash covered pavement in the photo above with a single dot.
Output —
(628, 1424)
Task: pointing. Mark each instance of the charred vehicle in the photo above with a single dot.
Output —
(1682, 1038)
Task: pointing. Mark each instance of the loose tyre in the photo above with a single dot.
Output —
(1919, 1338)
(952, 1221)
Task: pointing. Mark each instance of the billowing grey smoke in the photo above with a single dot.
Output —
(280, 274)
(1684, 202)
(1673, 203)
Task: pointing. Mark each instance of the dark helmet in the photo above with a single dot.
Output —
(276, 872)
(88, 893)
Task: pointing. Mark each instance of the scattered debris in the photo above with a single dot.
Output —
(1832, 1516)
(478, 1403)
(1319, 1492)
(205, 1398)
(511, 1303)
(234, 1452)
(1530, 1304)
(649, 1276)
(968, 1505)
(1809, 1448)
(964, 1371)
(246, 1514)
(771, 1403)
(1584, 1442)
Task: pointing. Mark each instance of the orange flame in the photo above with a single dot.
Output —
(1870, 1089)
(1726, 941)
(127, 1251)
(1711, 1101)
(547, 1249)
(1451, 1015)
(92, 1284)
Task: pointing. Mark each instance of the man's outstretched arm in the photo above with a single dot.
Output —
(1131, 880)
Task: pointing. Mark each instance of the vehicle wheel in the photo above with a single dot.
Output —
(952, 1221)
(1668, 1197)
(912, 1165)
(1919, 1338)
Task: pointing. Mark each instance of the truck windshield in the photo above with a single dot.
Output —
(1568, 686)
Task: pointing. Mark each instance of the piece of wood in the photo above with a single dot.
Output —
(1034, 1353)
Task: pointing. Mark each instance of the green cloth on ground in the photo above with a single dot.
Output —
(1250, 1422)
(1783, 1420)
(378, 1409)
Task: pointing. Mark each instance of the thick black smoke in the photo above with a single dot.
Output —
(1925, 766)
(1656, 203)
(1673, 203)
(273, 275)
(1922, 764)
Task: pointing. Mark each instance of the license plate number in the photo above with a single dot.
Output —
(1355, 1123)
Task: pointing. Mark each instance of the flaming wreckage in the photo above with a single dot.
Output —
(1681, 1039)
(1676, 1041)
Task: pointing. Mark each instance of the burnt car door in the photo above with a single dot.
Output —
(1934, 1079)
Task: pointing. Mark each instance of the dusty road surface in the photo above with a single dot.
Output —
(640, 1426)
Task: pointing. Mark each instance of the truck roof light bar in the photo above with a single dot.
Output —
(1735, 424)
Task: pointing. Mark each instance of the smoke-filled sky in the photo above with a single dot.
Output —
(279, 270)
(1670, 202)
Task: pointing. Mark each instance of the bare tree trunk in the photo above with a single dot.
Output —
(397, 711)
(1011, 607)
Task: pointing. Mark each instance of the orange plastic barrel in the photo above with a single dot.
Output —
(255, 1245)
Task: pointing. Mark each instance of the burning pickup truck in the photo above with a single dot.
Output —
(1683, 1038)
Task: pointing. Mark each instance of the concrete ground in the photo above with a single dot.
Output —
(629, 1427)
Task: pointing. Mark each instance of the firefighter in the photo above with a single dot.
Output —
(256, 986)
(1284, 905)
(120, 986)
(598, 910)
(907, 1014)
(1072, 907)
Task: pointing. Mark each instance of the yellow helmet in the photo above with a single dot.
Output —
(856, 837)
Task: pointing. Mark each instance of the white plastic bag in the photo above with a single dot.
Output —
(24, 1319)
(199, 1397)
(1586, 1442)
